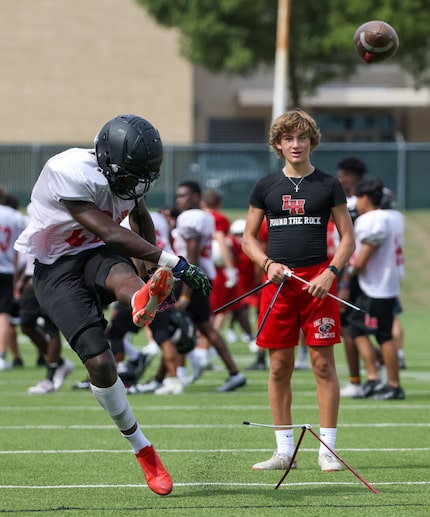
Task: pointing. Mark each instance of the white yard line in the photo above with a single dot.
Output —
(202, 484)
(205, 451)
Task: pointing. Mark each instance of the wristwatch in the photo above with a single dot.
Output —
(333, 269)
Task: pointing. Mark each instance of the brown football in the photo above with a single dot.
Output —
(376, 41)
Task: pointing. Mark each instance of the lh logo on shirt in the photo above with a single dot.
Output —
(294, 206)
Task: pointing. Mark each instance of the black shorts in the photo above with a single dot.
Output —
(72, 291)
(354, 291)
(160, 326)
(6, 293)
(30, 311)
(121, 321)
(376, 320)
(14, 314)
(199, 307)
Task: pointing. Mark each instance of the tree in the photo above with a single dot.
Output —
(235, 36)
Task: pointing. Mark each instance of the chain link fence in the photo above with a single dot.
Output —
(233, 169)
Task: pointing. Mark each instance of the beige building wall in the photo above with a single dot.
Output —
(68, 66)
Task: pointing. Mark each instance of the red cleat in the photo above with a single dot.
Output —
(149, 297)
(157, 477)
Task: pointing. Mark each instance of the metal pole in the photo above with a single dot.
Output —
(401, 171)
(241, 297)
(272, 303)
(280, 81)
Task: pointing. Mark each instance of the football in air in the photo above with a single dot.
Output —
(376, 41)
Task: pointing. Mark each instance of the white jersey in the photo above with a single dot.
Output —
(72, 175)
(384, 271)
(12, 223)
(191, 224)
(162, 231)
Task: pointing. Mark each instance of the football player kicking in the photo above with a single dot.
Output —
(82, 258)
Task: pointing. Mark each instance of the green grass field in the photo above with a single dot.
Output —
(61, 455)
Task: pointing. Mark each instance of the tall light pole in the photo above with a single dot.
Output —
(280, 81)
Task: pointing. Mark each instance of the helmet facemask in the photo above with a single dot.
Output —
(129, 153)
(126, 185)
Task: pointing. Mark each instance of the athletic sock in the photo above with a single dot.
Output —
(51, 369)
(115, 403)
(181, 374)
(137, 440)
(328, 435)
(129, 349)
(261, 357)
(285, 441)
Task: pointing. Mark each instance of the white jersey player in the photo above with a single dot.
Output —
(196, 223)
(383, 274)
(12, 223)
(193, 236)
(53, 232)
(82, 258)
(379, 265)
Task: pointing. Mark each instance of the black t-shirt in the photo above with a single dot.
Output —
(297, 221)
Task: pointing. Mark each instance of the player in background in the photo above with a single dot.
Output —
(224, 284)
(350, 171)
(192, 238)
(389, 202)
(379, 266)
(12, 222)
(82, 258)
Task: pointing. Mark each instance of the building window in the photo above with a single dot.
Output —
(237, 130)
(360, 127)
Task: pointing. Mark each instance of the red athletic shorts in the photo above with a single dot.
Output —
(220, 294)
(296, 309)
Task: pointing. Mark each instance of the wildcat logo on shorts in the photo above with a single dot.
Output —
(324, 326)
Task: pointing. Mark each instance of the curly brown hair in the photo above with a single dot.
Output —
(291, 121)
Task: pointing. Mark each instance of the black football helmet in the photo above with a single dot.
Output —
(129, 153)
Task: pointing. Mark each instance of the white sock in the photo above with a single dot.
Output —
(328, 435)
(129, 349)
(285, 441)
(114, 401)
(137, 440)
(181, 373)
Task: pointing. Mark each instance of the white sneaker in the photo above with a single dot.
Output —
(121, 367)
(151, 349)
(233, 382)
(4, 365)
(170, 386)
(230, 336)
(276, 462)
(197, 366)
(42, 387)
(328, 463)
(62, 372)
(350, 390)
(148, 387)
(253, 347)
(301, 364)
